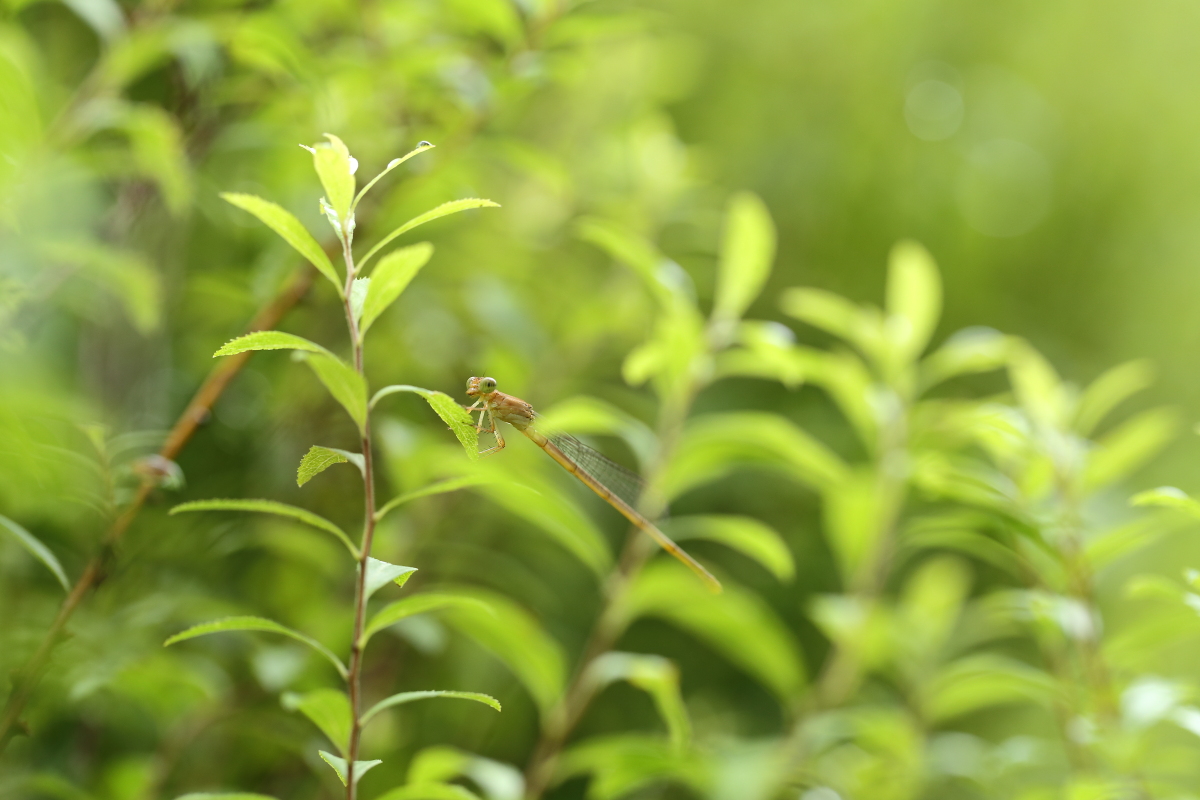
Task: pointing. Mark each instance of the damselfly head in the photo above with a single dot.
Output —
(478, 386)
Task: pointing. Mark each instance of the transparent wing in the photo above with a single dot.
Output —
(624, 483)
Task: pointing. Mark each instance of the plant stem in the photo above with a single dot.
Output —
(609, 626)
(93, 575)
(842, 672)
(354, 679)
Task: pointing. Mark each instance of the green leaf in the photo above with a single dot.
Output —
(767, 350)
(418, 604)
(270, 507)
(914, 299)
(346, 384)
(126, 275)
(515, 637)
(1037, 386)
(288, 227)
(982, 681)
(930, 607)
(395, 162)
(834, 314)
(328, 709)
(747, 535)
(1130, 445)
(1105, 547)
(444, 209)
(332, 162)
(967, 352)
(158, 151)
(224, 796)
(855, 513)
(318, 459)
(629, 249)
(736, 623)
(341, 766)
(381, 573)
(1109, 391)
(676, 356)
(269, 340)
(585, 414)
(1168, 497)
(541, 503)
(655, 675)
(714, 445)
(389, 280)
(955, 532)
(441, 487)
(850, 385)
(451, 412)
(37, 549)
(429, 791)
(408, 697)
(438, 764)
(747, 250)
(255, 624)
(622, 764)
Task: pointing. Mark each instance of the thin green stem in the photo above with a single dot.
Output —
(354, 679)
(842, 672)
(609, 625)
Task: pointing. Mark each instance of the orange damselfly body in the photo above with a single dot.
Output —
(616, 485)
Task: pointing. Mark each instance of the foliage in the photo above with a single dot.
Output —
(944, 573)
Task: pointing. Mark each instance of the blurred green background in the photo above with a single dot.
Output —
(1046, 155)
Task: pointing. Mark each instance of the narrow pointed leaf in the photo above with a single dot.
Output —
(381, 573)
(332, 162)
(655, 675)
(340, 766)
(747, 250)
(452, 207)
(749, 536)
(328, 709)
(255, 624)
(429, 791)
(269, 340)
(389, 280)
(631, 250)
(1130, 445)
(1169, 497)
(451, 412)
(37, 549)
(517, 639)
(287, 226)
(738, 624)
(270, 507)
(395, 162)
(318, 459)
(914, 298)
(1110, 390)
(345, 383)
(418, 604)
(408, 697)
(441, 487)
(438, 764)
